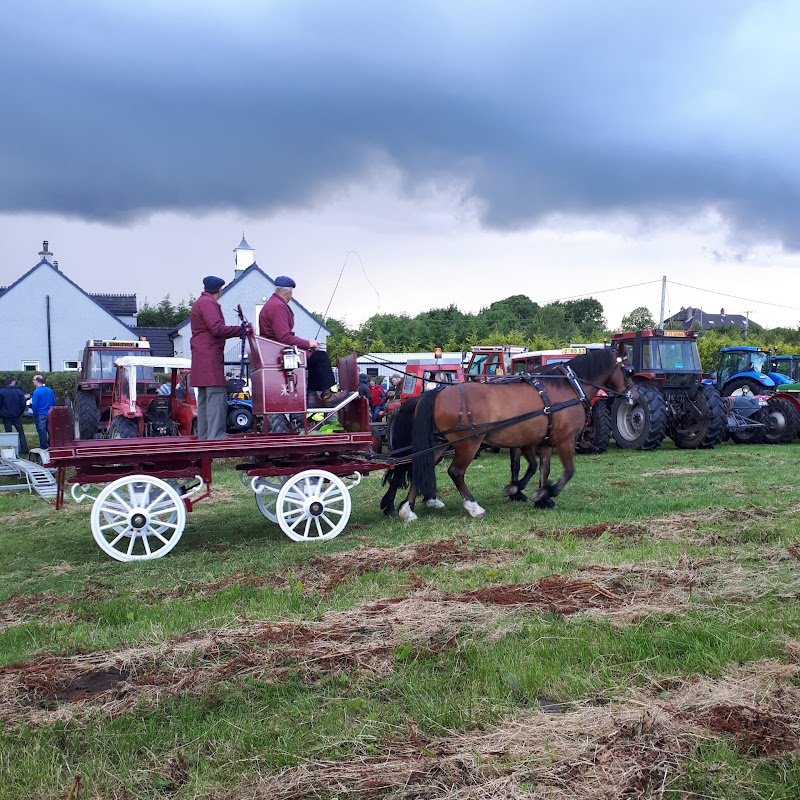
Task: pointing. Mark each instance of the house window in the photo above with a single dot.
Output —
(71, 366)
(30, 366)
(372, 372)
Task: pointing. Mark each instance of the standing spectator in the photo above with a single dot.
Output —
(363, 390)
(209, 333)
(393, 392)
(12, 407)
(42, 400)
(378, 399)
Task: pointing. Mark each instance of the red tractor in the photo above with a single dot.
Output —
(93, 400)
(139, 408)
(672, 399)
(491, 361)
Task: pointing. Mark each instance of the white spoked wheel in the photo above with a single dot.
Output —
(267, 498)
(138, 518)
(313, 506)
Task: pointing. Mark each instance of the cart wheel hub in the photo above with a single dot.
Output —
(315, 508)
(138, 520)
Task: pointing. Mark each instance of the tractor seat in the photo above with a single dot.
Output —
(159, 411)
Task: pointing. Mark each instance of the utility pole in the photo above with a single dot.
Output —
(663, 300)
(746, 322)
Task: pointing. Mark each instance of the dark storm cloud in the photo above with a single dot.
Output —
(117, 110)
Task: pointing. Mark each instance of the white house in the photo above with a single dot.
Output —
(250, 288)
(46, 319)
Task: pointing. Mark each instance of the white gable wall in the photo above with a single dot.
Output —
(74, 318)
(249, 291)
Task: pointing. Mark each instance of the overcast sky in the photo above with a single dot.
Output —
(460, 152)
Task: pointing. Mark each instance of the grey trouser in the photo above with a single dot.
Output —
(212, 411)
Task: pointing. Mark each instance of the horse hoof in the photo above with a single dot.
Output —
(511, 490)
(473, 509)
(547, 502)
(434, 502)
(406, 513)
(519, 497)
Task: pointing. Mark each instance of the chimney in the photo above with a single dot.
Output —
(45, 253)
(55, 264)
(722, 312)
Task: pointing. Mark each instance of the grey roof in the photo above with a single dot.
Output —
(45, 262)
(243, 245)
(687, 317)
(160, 343)
(120, 305)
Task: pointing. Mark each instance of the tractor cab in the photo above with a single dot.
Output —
(669, 358)
(491, 361)
(747, 370)
(423, 374)
(139, 409)
(788, 366)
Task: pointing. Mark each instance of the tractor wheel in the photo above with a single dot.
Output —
(742, 386)
(705, 424)
(753, 435)
(643, 425)
(278, 423)
(86, 416)
(783, 421)
(123, 428)
(239, 420)
(596, 435)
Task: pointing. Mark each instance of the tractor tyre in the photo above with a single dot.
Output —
(643, 425)
(783, 421)
(239, 420)
(123, 428)
(708, 426)
(753, 435)
(743, 386)
(86, 416)
(278, 423)
(596, 434)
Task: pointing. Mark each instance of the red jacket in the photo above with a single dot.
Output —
(378, 395)
(276, 321)
(209, 333)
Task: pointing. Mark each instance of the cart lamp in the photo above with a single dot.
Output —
(437, 352)
(291, 359)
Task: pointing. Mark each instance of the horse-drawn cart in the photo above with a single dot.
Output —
(142, 489)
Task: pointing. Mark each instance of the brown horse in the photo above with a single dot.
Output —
(530, 412)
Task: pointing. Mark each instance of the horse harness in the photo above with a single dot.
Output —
(547, 409)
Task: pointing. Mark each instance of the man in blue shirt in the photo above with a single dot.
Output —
(42, 400)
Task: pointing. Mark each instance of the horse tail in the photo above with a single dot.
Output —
(423, 472)
(399, 476)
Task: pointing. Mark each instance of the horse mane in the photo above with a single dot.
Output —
(594, 363)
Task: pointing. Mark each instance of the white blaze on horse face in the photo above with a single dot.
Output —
(405, 513)
(473, 509)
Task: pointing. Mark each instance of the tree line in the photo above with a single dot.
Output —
(515, 320)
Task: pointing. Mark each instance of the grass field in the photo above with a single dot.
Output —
(641, 640)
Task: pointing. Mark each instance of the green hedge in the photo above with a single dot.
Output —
(63, 384)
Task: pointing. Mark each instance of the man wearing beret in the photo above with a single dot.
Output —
(209, 333)
(276, 321)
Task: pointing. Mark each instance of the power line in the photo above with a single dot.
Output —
(602, 291)
(734, 296)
